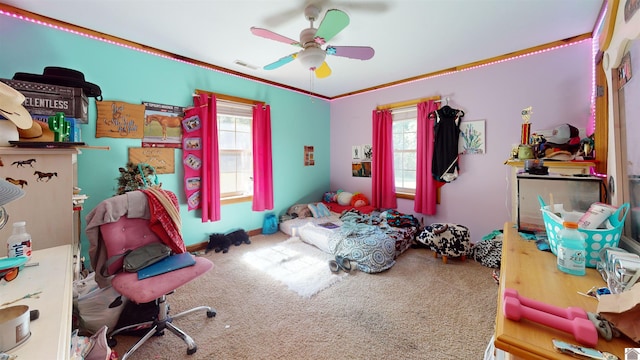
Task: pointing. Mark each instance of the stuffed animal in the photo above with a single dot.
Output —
(218, 242)
(359, 199)
(238, 237)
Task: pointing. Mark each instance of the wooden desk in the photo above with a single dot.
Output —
(51, 333)
(533, 273)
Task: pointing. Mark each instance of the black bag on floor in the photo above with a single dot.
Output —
(137, 313)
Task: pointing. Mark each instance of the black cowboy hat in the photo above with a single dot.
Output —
(53, 75)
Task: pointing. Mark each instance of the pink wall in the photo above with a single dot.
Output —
(556, 83)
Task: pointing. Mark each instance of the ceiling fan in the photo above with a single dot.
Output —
(313, 42)
(370, 6)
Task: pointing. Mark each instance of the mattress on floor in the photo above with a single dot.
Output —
(310, 231)
(288, 226)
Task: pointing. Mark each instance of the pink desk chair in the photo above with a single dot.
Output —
(126, 234)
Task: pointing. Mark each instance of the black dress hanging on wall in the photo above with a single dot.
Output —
(445, 149)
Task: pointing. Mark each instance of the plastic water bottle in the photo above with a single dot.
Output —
(19, 243)
(571, 249)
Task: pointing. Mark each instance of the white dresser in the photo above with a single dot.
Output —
(48, 177)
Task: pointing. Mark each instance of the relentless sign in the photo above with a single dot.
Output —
(48, 100)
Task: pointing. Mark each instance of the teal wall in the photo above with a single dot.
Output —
(132, 76)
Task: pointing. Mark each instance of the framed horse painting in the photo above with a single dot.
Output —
(162, 125)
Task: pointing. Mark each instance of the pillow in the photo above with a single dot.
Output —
(319, 210)
(299, 210)
(314, 210)
(344, 198)
(323, 210)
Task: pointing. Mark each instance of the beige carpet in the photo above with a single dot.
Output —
(418, 309)
(302, 268)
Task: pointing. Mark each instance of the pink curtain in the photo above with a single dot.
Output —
(210, 185)
(383, 192)
(426, 185)
(262, 170)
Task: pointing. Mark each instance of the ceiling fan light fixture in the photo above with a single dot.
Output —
(312, 57)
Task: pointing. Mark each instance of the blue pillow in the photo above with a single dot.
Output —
(314, 210)
(323, 210)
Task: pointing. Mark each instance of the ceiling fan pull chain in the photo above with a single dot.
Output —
(311, 85)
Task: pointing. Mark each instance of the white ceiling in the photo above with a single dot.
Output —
(411, 37)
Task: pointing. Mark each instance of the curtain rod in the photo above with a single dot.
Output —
(406, 103)
(230, 98)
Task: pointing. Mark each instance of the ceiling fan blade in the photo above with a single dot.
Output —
(371, 6)
(323, 70)
(334, 21)
(282, 61)
(285, 16)
(352, 52)
(273, 36)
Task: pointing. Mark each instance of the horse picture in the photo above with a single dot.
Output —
(22, 163)
(42, 176)
(165, 122)
(17, 182)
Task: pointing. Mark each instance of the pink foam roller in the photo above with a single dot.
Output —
(583, 330)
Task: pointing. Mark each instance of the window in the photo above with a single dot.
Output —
(405, 139)
(235, 148)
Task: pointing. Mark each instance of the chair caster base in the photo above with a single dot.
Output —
(192, 351)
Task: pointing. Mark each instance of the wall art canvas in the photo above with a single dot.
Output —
(361, 160)
(624, 70)
(309, 160)
(162, 125)
(472, 137)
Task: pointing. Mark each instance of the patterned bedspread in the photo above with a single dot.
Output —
(403, 229)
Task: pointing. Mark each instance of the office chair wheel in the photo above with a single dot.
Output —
(112, 342)
(211, 313)
(192, 351)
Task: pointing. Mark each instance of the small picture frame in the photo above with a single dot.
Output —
(191, 144)
(193, 162)
(472, 137)
(192, 183)
(191, 123)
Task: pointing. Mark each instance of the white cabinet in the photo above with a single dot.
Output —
(555, 167)
(48, 177)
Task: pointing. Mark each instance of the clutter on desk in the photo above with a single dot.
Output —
(581, 352)
(606, 234)
(19, 243)
(619, 269)
(623, 311)
(14, 326)
(571, 248)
